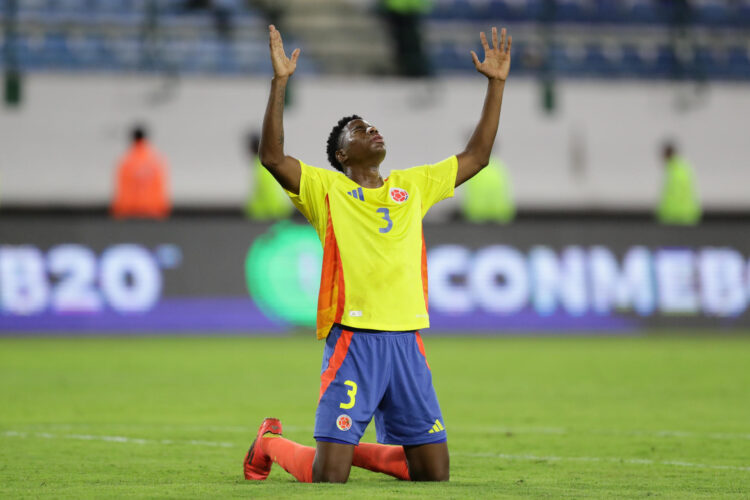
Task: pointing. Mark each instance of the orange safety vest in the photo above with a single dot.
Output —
(141, 189)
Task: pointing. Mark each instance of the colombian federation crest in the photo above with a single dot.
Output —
(344, 422)
(399, 195)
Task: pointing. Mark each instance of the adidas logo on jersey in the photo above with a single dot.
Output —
(357, 193)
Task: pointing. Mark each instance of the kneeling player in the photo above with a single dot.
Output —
(373, 291)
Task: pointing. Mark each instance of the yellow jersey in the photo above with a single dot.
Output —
(374, 273)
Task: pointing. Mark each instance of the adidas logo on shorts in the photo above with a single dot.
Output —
(436, 428)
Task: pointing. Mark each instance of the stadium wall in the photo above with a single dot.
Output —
(227, 276)
(599, 150)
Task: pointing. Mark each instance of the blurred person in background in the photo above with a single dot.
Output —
(679, 204)
(488, 196)
(404, 20)
(141, 188)
(267, 200)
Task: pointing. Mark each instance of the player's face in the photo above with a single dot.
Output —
(362, 141)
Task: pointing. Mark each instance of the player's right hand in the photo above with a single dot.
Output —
(282, 65)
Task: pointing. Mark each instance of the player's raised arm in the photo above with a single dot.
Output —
(285, 169)
(495, 67)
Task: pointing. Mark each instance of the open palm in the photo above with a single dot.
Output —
(282, 65)
(496, 62)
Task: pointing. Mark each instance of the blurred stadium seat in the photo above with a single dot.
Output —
(602, 38)
(562, 36)
(137, 35)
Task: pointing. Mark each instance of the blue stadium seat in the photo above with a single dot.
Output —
(105, 35)
(632, 64)
(31, 8)
(562, 61)
(445, 58)
(459, 9)
(500, 11)
(706, 63)
(121, 7)
(193, 20)
(644, 11)
(667, 64)
(76, 34)
(713, 13)
(56, 52)
(531, 10)
(126, 52)
(738, 63)
(593, 63)
(522, 60)
(609, 11)
(570, 11)
(742, 13)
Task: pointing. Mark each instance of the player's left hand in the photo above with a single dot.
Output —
(496, 64)
(283, 66)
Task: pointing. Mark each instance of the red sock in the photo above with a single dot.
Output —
(296, 459)
(383, 458)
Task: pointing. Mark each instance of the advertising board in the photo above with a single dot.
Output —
(222, 275)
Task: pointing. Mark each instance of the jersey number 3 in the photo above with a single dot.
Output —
(387, 218)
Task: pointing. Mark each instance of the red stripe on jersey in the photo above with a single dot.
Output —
(421, 349)
(424, 274)
(341, 297)
(335, 362)
(331, 296)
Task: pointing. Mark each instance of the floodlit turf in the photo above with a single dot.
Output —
(541, 417)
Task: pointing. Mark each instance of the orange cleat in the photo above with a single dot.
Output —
(257, 464)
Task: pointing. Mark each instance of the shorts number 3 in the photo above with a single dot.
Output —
(352, 393)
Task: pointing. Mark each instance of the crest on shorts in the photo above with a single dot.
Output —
(399, 195)
(344, 422)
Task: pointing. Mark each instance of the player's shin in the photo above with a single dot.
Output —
(383, 458)
(294, 458)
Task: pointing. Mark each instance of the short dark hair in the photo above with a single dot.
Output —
(253, 142)
(333, 140)
(138, 133)
(668, 149)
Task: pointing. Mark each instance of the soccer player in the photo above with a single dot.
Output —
(373, 289)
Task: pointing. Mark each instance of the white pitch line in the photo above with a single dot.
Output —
(530, 430)
(637, 461)
(533, 458)
(685, 434)
(613, 432)
(561, 431)
(116, 439)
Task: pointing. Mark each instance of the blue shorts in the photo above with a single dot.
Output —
(369, 373)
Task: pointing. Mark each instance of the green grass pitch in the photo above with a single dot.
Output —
(659, 416)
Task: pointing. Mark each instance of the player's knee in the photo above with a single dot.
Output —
(429, 462)
(330, 476)
(434, 473)
(330, 473)
(442, 474)
(330, 479)
(332, 463)
(431, 476)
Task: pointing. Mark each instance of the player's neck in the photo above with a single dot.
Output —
(367, 177)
